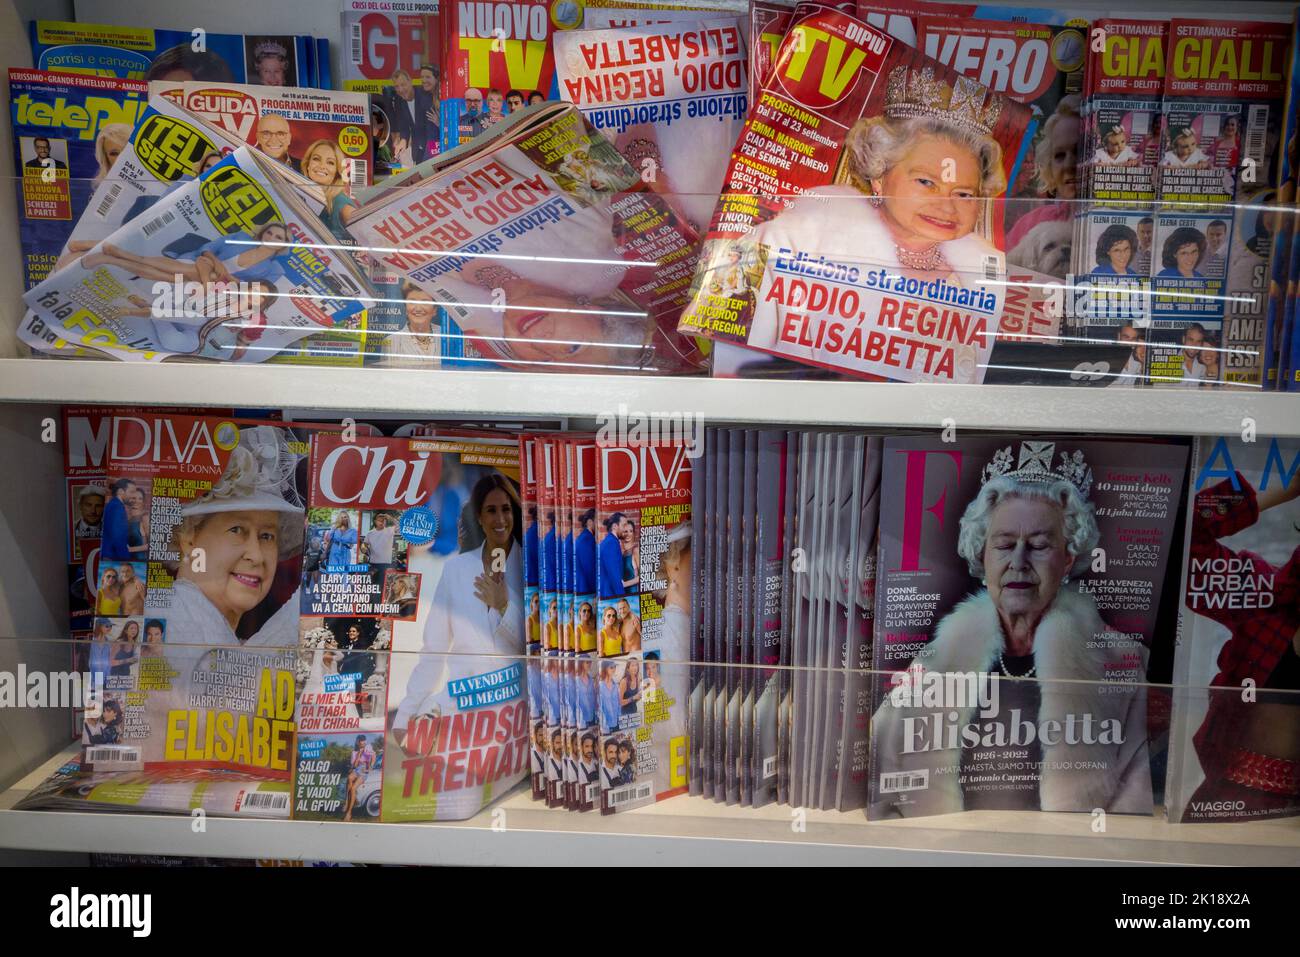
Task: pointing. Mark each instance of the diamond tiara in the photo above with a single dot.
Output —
(1035, 465)
(919, 93)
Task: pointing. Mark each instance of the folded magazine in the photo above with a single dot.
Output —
(544, 247)
(233, 266)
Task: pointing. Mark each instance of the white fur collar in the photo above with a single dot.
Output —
(832, 220)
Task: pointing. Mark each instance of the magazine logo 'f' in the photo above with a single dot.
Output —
(914, 507)
(354, 483)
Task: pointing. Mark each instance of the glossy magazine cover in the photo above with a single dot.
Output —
(457, 711)
(643, 582)
(227, 267)
(1016, 612)
(789, 275)
(1233, 754)
(196, 591)
(68, 130)
(671, 97)
(592, 265)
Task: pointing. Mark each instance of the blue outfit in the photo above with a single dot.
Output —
(609, 707)
(445, 542)
(341, 542)
(549, 571)
(1109, 270)
(586, 702)
(551, 688)
(566, 563)
(584, 563)
(268, 270)
(332, 215)
(611, 567)
(116, 534)
(530, 556)
(1173, 273)
(101, 659)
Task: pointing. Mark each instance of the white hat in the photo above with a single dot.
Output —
(255, 480)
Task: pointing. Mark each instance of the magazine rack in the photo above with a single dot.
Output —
(517, 828)
(34, 601)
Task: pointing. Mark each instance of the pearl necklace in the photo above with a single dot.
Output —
(927, 260)
(1002, 661)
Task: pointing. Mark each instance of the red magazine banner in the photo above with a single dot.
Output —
(375, 474)
(861, 233)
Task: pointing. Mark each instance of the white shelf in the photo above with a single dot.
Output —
(680, 831)
(864, 404)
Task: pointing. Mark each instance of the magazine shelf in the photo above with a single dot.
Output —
(1069, 356)
(682, 831)
(449, 393)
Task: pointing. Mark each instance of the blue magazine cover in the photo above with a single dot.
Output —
(67, 131)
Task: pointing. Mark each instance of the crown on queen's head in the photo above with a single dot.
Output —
(919, 93)
(1035, 465)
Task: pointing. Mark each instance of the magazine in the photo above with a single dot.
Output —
(528, 492)
(585, 741)
(1016, 613)
(1232, 754)
(701, 619)
(788, 275)
(671, 97)
(323, 135)
(404, 35)
(68, 130)
(1280, 259)
(195, 596)
(457, 712)
(767, 597)
(549, 569)
(182, 281)
(561, 207)
(790, 535)
(768, 22)
(357, 586)
(142, 53)
(393, 53)
(854, 758)
(643, 572)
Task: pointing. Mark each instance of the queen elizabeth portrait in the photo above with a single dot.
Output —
(912, 196)
(1063, 725)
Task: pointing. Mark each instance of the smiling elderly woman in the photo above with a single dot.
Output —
(916, 188)
(230, 541)
(1072, 739)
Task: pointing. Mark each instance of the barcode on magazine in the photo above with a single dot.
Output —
(354, 44)
(904, 781)
(769, 767)
(266, 800)
(360, 172)
(1257, 131)
(107, 202)
(158, 222)
(990, 268)
(592, 791)
(103, 756)
(629, 793)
